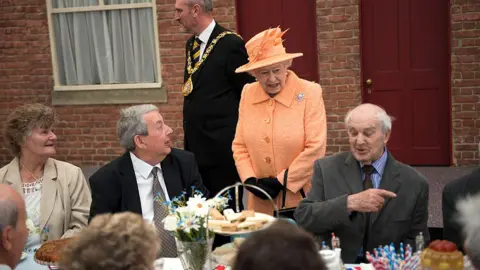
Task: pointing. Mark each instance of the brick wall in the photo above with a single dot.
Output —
(25, 68)
(86, 134)
(339, 44)
(465, 19)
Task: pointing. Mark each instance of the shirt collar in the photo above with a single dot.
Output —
(380, 163)
(141, 167)
(205, 35)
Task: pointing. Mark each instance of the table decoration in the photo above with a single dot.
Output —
(188, 221)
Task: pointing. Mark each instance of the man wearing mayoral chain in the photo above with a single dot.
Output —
(211, 92)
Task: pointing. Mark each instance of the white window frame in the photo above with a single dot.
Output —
(102, 7)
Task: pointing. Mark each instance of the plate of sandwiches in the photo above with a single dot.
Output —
(232, 223)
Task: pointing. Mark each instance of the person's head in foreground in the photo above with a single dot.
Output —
(113, 241)
(369, 128)
(470, 220)
(280, 246)
(13, 229)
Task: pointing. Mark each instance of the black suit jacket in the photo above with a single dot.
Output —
(401, 219)
(210, 112)
(114, 186)
(452, 193)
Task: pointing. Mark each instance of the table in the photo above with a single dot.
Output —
(29, 263)
(357, 266)
(168, 264)
(175, 264)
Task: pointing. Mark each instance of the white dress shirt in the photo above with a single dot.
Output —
(205, 36)
(143, 173)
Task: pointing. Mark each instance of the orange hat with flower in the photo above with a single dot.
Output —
(266, 48)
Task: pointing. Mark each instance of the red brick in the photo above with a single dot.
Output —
(465, 99)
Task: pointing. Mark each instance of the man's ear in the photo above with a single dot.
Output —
(387, 137)
(196, 10)
(138, 142)
(7, 237)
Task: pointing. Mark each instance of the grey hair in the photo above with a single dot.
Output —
(470, 220)
(8, 214)
(382, 117)
(131, 124)
(206, 5)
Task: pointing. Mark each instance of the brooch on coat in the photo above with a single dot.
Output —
(299, 96)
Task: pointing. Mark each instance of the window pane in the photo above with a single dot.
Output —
(116, 2)
(106, 47)
(73, 3)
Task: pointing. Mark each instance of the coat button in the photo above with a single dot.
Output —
(267, 139)
(267, 120)
(270, 102)
(268, 160)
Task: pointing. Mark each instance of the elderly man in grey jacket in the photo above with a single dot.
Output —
(365, 196)
(13, 228)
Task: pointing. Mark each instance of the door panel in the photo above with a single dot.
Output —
(405, 53)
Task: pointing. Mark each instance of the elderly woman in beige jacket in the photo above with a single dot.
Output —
(56, 193)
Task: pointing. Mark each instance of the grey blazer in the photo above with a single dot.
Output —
(401, 219)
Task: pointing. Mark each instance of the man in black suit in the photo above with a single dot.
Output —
(453, 192)
(149, 173)
(212, 92)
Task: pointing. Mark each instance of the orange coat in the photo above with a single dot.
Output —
(273, 134)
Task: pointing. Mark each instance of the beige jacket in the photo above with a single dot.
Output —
(66, 198)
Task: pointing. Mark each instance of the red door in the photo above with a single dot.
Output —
(254, 16)
(405, 68)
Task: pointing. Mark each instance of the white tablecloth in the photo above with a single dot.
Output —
(29, 263)
(175, 264)
(168, 264)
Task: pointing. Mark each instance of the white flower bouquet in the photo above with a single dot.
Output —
(188, 222)
(188, 218)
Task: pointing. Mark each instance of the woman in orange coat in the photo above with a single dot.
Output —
(282, 125)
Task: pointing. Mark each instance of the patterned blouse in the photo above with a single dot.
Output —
(33, 194)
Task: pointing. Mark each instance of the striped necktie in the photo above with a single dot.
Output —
(196, 52)
(160, 211)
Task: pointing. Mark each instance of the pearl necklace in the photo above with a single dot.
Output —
(31, 187)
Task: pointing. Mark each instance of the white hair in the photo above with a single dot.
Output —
(470, 220)
(8, 213)
(381, 116)
(206, 5)
(131, 124)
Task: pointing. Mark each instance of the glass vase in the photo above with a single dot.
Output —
(194, 255)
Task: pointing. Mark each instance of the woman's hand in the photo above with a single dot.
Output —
(271, 186)
(254, 182)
